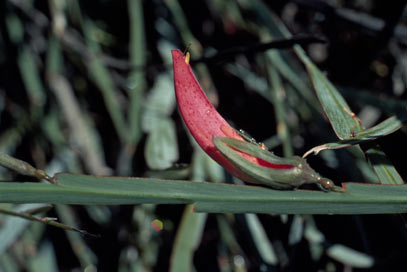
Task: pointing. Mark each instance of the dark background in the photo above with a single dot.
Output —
(364, 55)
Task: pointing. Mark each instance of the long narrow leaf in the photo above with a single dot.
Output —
(137, 52)
(209, 197)
(371, 199)
(384, 128)
(335, 107)
(100, 75)
(188, 237)
(382, 166)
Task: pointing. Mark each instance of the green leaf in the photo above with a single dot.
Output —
(384, 128)
(350, 256)
(261, 241)
(333, 103)
(335, 106)
(137, 77)
(209, 197)
(21, 167)
(382, 166)
(188, 237)
(160, 100)
(368, 197)
(30, 76)
(161, 149)
(101, 76)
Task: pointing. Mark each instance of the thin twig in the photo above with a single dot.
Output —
(261, 47)
(47, 220)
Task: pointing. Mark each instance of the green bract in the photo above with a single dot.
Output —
(279, 176)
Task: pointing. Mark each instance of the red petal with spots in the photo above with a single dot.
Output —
(203, 121)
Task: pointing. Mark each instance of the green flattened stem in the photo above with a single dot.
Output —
(23, 167)
(276, 172)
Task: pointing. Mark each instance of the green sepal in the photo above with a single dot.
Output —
(299, 174)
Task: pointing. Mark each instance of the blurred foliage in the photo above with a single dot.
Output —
(86, 87)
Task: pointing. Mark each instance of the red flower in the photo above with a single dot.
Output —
(208, 127)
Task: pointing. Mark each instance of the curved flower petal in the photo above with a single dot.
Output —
(207, 126)
(202, 119)
(199, 115)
